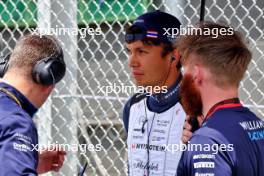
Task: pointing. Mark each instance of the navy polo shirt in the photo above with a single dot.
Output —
(18, 134)
(230, 142)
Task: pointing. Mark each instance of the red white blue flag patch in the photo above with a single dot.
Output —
(152, 34)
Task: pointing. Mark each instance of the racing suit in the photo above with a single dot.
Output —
(18, 134)
(154, 124)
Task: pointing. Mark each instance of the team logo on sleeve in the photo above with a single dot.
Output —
(255, 129)
(22, 143)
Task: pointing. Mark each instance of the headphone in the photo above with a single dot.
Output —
(4, 65)
(47, 71)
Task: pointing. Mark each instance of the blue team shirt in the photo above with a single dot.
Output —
(18, 135)
(239, 132)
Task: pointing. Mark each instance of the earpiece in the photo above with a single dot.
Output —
(178, 66)
(173, 58)
(143, 125)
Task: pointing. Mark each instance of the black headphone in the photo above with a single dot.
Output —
(48, 71)
(4, 64)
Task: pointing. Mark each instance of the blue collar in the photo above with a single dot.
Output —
(26, 104)
(163, 101)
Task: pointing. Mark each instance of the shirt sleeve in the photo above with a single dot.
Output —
(207, 156)
(18, 139)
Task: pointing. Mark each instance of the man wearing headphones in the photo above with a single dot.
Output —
(154, 121)
(29, 76)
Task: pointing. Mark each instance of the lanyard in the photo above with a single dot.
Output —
(229, 103)
(10, 95)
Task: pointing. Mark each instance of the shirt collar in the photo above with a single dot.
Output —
(228, 103)
(163, 101)
(26, 104)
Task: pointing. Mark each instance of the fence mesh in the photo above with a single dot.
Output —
(79, 112)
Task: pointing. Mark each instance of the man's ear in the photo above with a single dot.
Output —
(198, 74)
(176, 53)
(176, 60)
(47, 89)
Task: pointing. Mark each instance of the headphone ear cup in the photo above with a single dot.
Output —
(4, 65)
(48, 71)
(58, 68)
(40, 72)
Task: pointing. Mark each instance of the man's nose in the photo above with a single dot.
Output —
(133, 61)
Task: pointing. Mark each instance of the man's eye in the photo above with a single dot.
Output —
(128, 51)
(142, 51)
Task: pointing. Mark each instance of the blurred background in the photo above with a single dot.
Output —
(78, 112)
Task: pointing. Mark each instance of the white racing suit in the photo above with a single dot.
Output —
(154, 125)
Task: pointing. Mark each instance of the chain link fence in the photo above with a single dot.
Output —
(80, 114)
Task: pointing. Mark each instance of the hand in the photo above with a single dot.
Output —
(50, 160)
(186, 134)
(187, 128)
